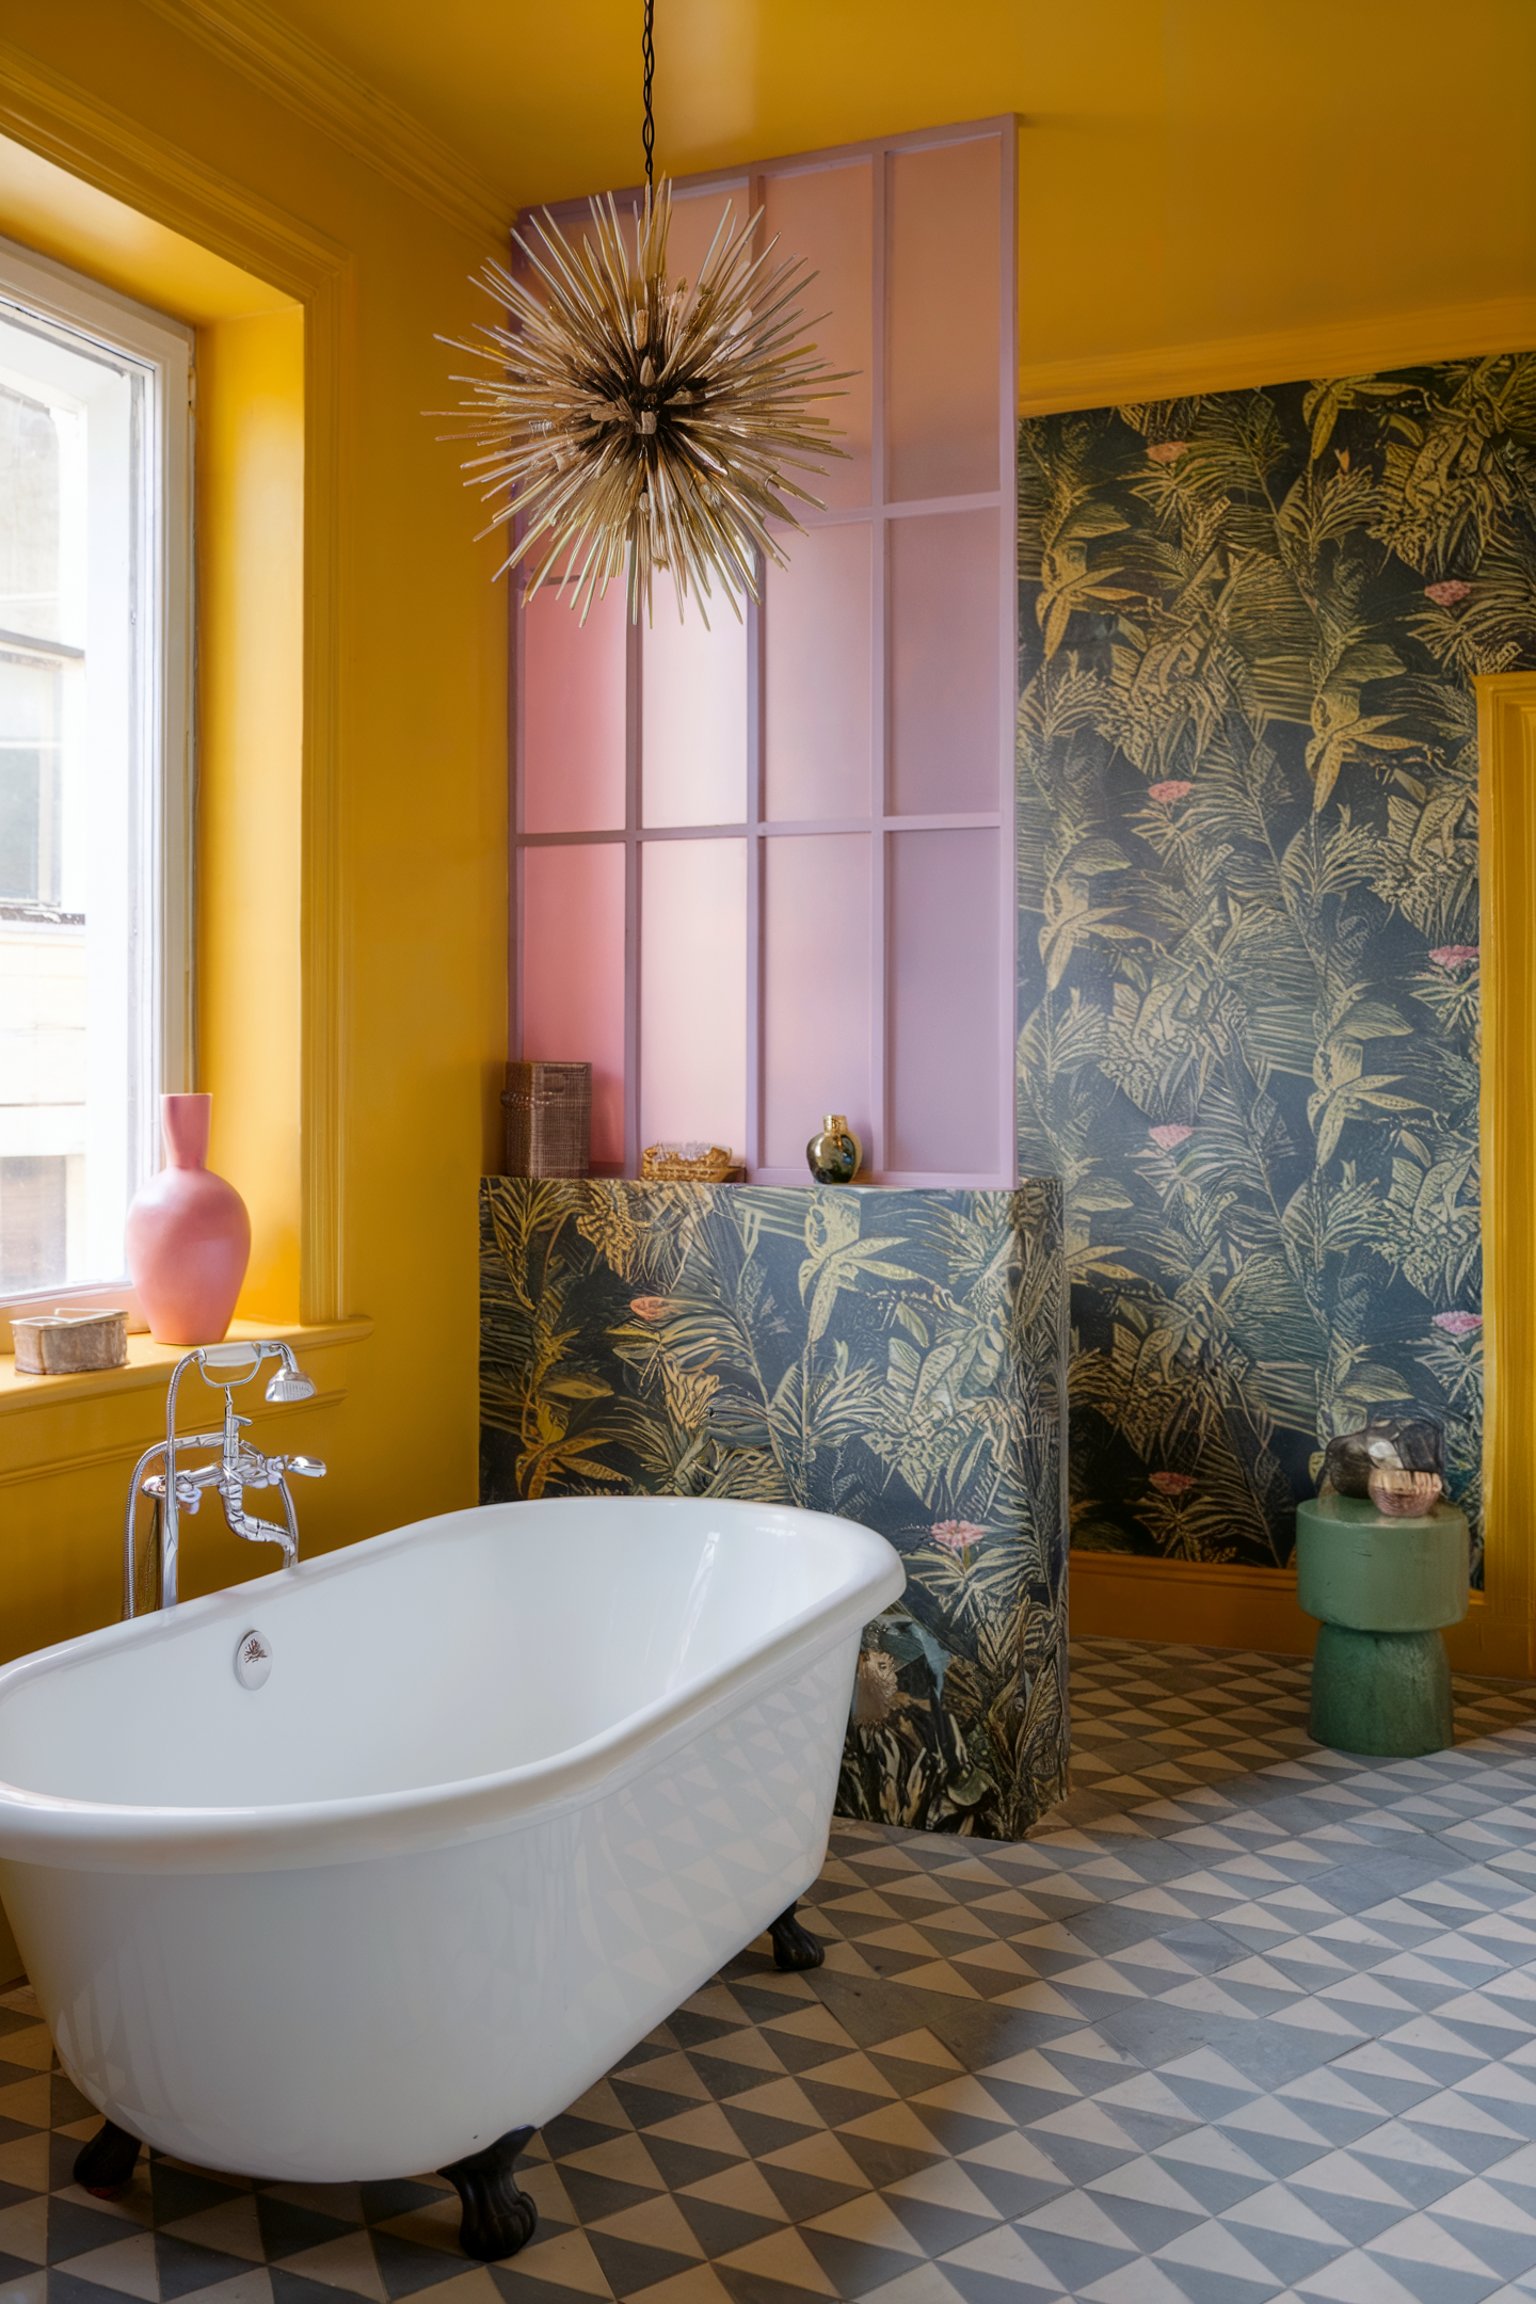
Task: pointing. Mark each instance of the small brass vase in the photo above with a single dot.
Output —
(833, 1156)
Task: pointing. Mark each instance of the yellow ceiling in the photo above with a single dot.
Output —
(1192, 170)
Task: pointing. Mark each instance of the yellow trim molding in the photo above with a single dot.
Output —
(1506, 734)
(1204, 1604)
(266, 48)
(1360, 347)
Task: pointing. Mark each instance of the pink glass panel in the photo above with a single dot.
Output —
(826, 215)
(944, 257)
(943, 628)
(694, 218)
(571, 941)
(693, 717)
(815, 991)
(693, 992)
(816, 677)
(946, 1073)
(573, 713)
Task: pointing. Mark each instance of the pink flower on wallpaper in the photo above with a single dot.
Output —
(1166, 451)
(1459, 1323)
(956, 1535)
(1174, 789)
(1170, 1135)
(1450, 957)
(649, 1307)
(1173, 1483)
(1447, 593)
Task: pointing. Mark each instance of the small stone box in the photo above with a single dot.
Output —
(1382, 1589)
(69, 1343)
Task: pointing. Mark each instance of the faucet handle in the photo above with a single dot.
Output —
(189, 1487)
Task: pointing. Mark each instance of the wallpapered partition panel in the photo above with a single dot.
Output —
(1248, 935)
(897, 1356)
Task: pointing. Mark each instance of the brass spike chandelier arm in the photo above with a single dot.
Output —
(632, 425)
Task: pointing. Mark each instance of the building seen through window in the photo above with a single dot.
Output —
(83, 792)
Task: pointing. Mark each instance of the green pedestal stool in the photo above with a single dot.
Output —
(1382, 1589)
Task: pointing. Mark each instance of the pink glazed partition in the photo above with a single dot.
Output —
(765, 870)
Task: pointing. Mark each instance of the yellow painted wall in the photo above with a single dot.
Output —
(176, 167)
(250, 527)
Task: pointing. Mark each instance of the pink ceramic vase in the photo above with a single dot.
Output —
(189, 1237)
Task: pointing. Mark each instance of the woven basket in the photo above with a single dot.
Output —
(549, 1119)
(665, 1164)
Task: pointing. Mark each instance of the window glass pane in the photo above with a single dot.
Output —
(696, 217)
(816, 978)
(693, 992)
(36, 441)
(693, 715)
(573, 707)
(34, 1220)
(947, 1077)
(816, 677)
(826, 215)
(31, 721)
(943, 327)
(942, 617)
(572, 946)
(79, 800)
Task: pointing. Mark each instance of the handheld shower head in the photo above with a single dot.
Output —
(289, 1381)
(226, 1365)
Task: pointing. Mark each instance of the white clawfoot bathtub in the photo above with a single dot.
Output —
(517, 1781)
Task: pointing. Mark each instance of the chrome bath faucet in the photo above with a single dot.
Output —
(176, 1487)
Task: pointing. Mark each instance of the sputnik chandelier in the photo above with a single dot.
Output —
(639, 425)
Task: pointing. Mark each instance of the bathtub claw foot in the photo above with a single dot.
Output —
(498, 2215)
(793, 1945)
(106, 2164)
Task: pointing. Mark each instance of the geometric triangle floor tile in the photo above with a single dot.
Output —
(1243, 2019)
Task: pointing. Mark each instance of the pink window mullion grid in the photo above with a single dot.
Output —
(903, 1015)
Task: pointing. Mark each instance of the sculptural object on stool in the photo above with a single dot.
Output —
(1382, 1561)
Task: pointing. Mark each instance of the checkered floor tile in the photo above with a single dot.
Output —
(1244, 2020)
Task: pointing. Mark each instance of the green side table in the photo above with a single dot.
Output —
(1382, 1589)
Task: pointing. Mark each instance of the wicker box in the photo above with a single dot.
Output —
(688, 1164)
(549, 1119)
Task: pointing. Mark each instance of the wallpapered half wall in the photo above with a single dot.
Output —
(1248, 934)
(895, 1356)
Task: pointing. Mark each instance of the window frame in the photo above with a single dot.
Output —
(35, 288)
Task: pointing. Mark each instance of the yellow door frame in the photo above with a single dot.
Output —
(1498, 1633)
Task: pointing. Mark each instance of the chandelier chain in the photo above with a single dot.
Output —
(648, 75)
(636, 425)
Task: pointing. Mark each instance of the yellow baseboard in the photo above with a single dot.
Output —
(1117, 1596)
(1201, 1604)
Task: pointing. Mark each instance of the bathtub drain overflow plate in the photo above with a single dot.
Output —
(253, 1660)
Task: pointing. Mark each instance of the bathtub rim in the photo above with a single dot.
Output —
(65, 1833)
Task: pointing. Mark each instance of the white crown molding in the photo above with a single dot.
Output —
(1359, 347)
(265, 48)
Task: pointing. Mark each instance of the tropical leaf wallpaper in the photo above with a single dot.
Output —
(1248, 921)
(895, 1356)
